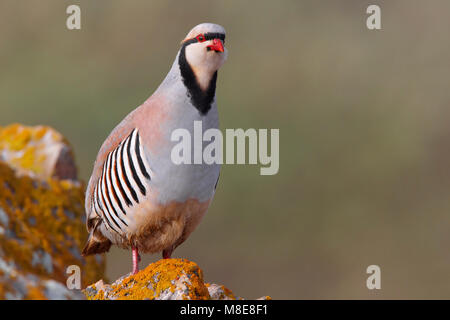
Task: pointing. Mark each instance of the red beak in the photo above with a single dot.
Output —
(217, 46)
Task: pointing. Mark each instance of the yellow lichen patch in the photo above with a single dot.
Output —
(167, 278)
(35, 293)
(45, 227)
(14, 137)
(42, 226)
(31, 151)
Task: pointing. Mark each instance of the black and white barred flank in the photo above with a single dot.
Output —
(122, 183)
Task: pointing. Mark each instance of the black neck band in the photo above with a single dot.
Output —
(201, 99)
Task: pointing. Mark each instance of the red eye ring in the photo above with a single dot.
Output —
(200, 37)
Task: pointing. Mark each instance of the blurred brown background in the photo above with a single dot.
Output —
(363, 118)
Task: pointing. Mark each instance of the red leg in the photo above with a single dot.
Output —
(136, 259)
(166, 254)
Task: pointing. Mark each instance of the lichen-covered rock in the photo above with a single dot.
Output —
(39, 152)
(17, 285)
(220, 292)
(167, 279)
(42, 216)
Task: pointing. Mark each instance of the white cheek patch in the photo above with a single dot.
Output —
(195, 54)
(203, 63)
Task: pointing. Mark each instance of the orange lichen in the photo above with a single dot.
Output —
(167, 279)
(45, 229)
(14, 137)
(35, 293)
(158, 279)
(27, 150)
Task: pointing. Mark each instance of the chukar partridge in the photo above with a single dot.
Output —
(137, 197)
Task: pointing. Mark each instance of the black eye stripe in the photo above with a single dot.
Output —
(208, 36)
(211, 36)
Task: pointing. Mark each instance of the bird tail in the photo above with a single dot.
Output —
(96, 242)
(93, 247)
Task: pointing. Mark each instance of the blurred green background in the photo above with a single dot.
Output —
(364, 119)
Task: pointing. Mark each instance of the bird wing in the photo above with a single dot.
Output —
(119, 180)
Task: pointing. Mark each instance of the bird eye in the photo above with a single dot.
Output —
(201, 38)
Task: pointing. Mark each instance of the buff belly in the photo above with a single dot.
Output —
(153, 228)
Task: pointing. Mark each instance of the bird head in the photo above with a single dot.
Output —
(204, 49)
